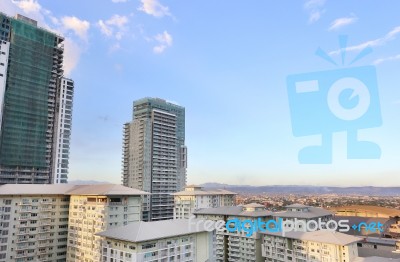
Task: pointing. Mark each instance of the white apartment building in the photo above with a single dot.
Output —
(44, 222)
(237, 246)
(95, 209)
(158, 241)
(303, 214)
(196, 197)
(34, 222)
(62, 130)
(321, 246)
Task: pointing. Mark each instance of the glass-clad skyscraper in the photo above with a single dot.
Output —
(31, 71)
(155, 155)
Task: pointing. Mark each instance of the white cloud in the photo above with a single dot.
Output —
(106, 30)
(376, 42)
(343, 21)
(164, 40)
(116, 23)
(117, 20)
(154, 8)
(315, 9)
(28, 6)
(72, 53)
(79, 27)
(386, 59)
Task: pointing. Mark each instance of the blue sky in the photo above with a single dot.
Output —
(227, 63)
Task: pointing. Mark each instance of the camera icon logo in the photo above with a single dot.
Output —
(325, 102)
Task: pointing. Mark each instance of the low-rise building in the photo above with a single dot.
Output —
(381, 229)
(196, 197)
(321, 245)
(239, 245)
(303, 214)
(95, 209)
(57, 222)
(382, 247)
(34, 222)
(169, 240)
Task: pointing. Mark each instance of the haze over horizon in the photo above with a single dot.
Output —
(226, 63)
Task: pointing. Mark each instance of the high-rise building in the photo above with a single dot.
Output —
(63, 123)
(155, 155)
(33, 122)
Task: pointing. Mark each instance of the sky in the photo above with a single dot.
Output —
(227, 63)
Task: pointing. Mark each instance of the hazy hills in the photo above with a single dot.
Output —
(292, 189)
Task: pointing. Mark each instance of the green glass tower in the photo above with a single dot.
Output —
(31, 72)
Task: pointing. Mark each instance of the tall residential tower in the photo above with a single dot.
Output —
(154, 155)
(35, 104)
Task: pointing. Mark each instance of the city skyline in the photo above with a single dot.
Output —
(229, 71)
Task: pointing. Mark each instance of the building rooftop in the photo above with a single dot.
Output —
(312, 212)
(68, 189)
(197, 190)
(366, 211)
(254, 205)
(321, 236)
(145, 231)
(376, 259)
(297, 206)
(232, 211)
(381, 241)
(353, 220)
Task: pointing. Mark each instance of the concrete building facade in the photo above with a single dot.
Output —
(236, 246)
(196, 197)
(158, 241)
(58, 222)
(155, 155)
(321, 246)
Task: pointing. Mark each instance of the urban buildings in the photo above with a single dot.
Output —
(237, 246)
(377, 246)
(195, 197)
(246, 242)
(321, 245)
(59, 222)
(302, 214)
(155, 155)
(158, 241)
(35, 104)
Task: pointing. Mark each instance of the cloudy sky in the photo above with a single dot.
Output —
(227, 63)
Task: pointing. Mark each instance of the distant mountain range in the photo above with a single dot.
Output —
(292, 189)
(86, 182)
